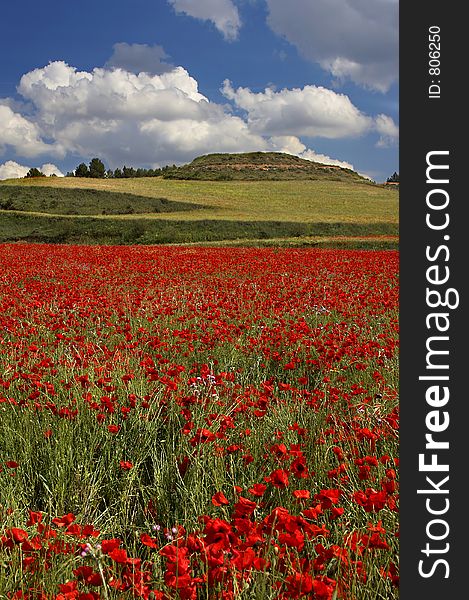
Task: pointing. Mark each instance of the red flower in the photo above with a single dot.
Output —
(118, 555)
(148, 541)
(328, 497)
(125, 465)
(244, 508)
(86, 573)
(302, 494)
(17, 535)
(202, 436)
(336, 512)
(110, 545)
(219, 498)
(257, 489)
(64, 521)
(35, 517)
(278, 478)
(364, 472)
(299, 468)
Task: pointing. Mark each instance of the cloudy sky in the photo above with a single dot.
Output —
(154, 82)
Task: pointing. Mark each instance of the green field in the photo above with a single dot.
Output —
(157, 210)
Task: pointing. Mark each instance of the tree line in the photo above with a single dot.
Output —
(97, 170)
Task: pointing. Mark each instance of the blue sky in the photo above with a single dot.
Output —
(155, 82)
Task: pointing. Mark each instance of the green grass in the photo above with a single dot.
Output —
(94, 315)
(137, 230)
(263, 166)
(169, 211)
(55, 200)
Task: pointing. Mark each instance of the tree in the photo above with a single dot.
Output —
(97, 169)
(34, 173)
(82, 171)
(394, 178)
(128, 172)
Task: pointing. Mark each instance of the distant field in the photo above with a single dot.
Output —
(157, 210)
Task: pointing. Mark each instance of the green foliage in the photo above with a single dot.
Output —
(60, 201)
(139, 230)
(98, 211)
(34, 173)
(82, 171)
(97, 170)
(263, 166)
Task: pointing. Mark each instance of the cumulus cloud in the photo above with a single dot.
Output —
(59, 90)
(153, 120)
(138, 58)
(21, 134)
(222, 13)
(292, 145)
(134, 118)
(13, 170)
(388, 130)
(51, 169)
(352, 39)
(309, 111)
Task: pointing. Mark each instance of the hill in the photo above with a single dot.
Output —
(267, 166)
(161, 211)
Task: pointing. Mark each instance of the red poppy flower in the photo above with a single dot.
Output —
(118, 555)
(219, 499)
(35, 517)
(64, 521)
(17, 535)
(302, 494)
(257, 489)
(148, 541)
(278, 478)
(244, 507)
(110, 545)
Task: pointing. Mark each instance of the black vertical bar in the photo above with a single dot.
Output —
(434, 238)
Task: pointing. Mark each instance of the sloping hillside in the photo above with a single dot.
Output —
(260, 166)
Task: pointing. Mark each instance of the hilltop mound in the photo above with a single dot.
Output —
(260, 166)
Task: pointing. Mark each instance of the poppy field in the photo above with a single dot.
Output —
(198, 423)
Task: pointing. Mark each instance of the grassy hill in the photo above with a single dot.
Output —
(352, 213)
(263, 166)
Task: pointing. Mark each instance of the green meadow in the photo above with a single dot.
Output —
(164, 211)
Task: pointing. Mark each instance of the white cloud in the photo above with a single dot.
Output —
(21, 134)
(287, 143)
(158, 119)
(222, 13)
(292, 145)
(353, 39)
(59, 90)
(51, 169)
(13, 170)
(134, 119)
(310, 111)
(388, 131)
(138, 58)
(324, 159)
